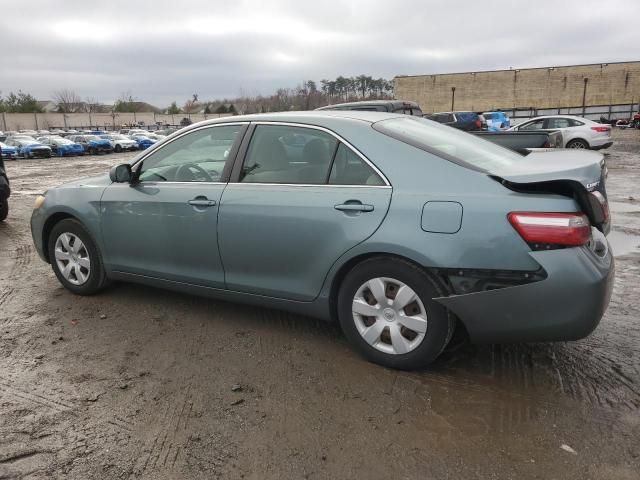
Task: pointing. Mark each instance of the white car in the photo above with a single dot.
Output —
(577, 132)
(120, 143)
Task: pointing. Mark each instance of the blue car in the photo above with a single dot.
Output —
(27, 147)
(62, 146)
(143, 141)
(497, 121)
(92, 144)
(8, 151)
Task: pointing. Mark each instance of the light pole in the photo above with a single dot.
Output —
(453, 97)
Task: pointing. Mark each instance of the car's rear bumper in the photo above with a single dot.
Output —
(604, 145)
(567, 305)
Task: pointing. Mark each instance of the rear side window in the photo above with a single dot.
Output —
(575, 123)
(349, 169)
(285, 154)
(448, 143)
(559, 123)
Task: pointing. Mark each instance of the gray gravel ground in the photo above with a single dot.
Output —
(143, 383)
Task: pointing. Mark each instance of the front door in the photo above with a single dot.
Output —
(165, 224)
(303, 199)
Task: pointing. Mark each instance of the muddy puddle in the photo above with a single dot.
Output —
(623, 243)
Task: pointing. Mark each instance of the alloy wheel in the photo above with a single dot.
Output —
(72, 258)
(389, 315)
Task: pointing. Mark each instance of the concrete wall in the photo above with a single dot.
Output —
(45, 121)
(549, 87)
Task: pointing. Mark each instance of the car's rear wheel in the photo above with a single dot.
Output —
(386, 309)
(577, 143)
(75, 258)
(118, 148)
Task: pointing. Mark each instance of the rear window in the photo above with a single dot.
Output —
(490, 116)
(449, 143)
(466, 117)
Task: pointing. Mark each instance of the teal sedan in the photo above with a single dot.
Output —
(399, 228)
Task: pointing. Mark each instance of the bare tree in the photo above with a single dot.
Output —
(92, 105)
(68, 101)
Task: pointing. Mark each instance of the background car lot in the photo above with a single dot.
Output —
(143, 382)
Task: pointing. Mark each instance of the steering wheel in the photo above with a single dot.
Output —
(183, 169)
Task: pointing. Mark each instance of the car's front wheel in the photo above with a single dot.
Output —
(118, 148)
(386, 309)
(75, 258)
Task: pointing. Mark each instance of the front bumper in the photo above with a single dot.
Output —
(37, 153)
(37, 226)
(567, 305)
(5, 190)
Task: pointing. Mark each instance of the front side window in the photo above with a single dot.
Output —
(286, 154)
(199, 156)
(537, 125)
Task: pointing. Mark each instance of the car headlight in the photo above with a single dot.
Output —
(39, 202)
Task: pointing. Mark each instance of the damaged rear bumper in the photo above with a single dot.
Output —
(567, 305)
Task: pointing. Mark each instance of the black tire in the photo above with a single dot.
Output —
(578, 144)
(97, 278)
(440, 324)
(4, 208)
(92, 151)
(118, 148)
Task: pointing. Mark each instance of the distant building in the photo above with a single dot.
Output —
(536, 88)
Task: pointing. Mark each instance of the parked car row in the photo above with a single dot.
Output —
(37, 144)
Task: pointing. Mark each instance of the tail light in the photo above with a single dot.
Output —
(601, 129)
(478, 123)
(600, 207)
(552, 229)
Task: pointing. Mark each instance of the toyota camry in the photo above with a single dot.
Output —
(399, 228)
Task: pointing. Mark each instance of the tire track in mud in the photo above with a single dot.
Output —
(39, 396)
(168, 446)
(23, 256)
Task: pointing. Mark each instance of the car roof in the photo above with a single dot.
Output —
(314, 117)
(574, 117)
(364, 103)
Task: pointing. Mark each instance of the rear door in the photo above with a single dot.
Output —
(300, 198)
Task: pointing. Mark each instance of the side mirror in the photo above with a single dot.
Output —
(121, 173)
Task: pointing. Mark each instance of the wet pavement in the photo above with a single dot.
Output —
(143, 383)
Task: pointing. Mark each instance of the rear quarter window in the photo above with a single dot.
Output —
(449, 143)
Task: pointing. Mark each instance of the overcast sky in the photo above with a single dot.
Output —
(167, 50)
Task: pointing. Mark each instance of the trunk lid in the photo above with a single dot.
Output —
(576, 174)
(584, 167)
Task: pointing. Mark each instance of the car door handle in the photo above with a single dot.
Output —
(354, 207)
(202, 202)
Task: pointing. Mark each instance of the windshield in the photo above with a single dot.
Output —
(447, 142)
